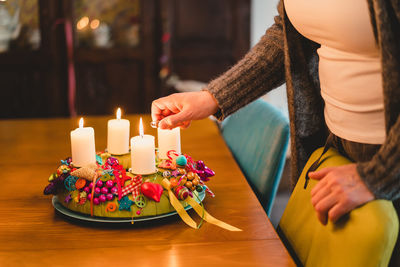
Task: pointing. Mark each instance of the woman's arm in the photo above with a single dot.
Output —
(261, 70)
(382, 173)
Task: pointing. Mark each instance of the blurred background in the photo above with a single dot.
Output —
(67, 57)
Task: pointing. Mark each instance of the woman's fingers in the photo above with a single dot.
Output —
(324, 205)
(174, 120)
(318, 175)
(157, 110)
(320, 194)
(185, 124)
(322, 183)
(339, 191)
(338, 211)
(181, 108)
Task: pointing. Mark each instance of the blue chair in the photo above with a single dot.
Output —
(258, 137)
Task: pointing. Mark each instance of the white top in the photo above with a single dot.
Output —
(349, 65)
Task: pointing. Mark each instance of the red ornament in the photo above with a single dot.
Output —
(152, 190)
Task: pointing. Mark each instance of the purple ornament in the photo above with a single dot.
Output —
(109, 183)
(89, 196)
(175, 173)
(68, 198)
(209, 172)
(104, 190)
(114, 190)
(203, 171)
(99, 183)
(91, 185)
(200, 165)
(110, 197)
(112, 161)
(86, 189)
(96, 201)
(97, 190)
(102, 198)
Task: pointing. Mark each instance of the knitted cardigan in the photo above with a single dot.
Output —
(283, 54)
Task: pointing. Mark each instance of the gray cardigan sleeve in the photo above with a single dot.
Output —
(382, 173)
(261, 70)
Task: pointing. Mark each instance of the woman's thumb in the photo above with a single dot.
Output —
(174, 120)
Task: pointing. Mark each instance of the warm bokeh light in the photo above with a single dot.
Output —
(81, 123)
(118, 113)
(82, 23)
(141, 132)
(94, 24)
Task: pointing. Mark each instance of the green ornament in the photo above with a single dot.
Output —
(181, 160)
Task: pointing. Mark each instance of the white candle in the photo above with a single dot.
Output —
(118, 135)
(82, 145)
(143, 159)
(168, 140)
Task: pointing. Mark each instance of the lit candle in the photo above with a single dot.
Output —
(143, 159)
(82, 145)
(168, 140)
(118, 135)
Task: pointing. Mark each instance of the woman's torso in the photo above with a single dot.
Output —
(349, 65)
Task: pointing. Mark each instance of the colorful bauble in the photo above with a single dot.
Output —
(104, 190)
(110, 183)
(99, 183)
(114, 190)
(97, 190)
(181, 192)
(86, 189)
(102, 198)
(181, 160)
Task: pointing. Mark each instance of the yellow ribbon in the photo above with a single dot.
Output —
(199, 210)
(177, 205)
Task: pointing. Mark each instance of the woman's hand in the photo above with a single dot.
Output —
(340, 190)
(180, 109)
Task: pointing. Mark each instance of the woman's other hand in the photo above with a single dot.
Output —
(181, 108)
(339, 190)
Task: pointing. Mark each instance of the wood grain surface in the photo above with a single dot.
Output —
(33, 234)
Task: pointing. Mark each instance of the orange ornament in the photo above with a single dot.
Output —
(80, 183)
(173, 182)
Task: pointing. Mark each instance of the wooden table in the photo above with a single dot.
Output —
(32, 233)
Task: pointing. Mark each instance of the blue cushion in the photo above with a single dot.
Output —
(258, 136)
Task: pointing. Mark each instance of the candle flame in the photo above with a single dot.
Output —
(141, 127)
(81, 123)
(118, 113)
